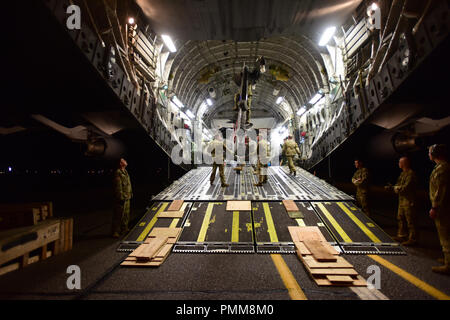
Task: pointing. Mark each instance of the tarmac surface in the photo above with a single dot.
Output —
(194, 276)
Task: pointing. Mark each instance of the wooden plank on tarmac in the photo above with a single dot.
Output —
(319, 252)
(175, 205)
(239, 206)
(171, 214)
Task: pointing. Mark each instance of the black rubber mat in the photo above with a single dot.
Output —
(355, 232)
(210, 228)
(271, 223)
(150, 220)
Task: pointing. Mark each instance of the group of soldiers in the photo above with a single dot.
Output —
(259, 151)
(405, 188)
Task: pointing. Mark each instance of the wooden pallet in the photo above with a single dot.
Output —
(155, 249)
(22, 246)
(321, 260)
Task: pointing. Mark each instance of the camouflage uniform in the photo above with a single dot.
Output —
(123, 193)
(217, 160)
(263, 160)
(362, 188)
(290, 149)
(440, 201)
(406, 190)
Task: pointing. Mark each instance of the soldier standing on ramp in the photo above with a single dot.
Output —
(361, 181)
(217, 148)
(290, 149)
(264, 158)
(122, 194)
(440, 201)
(406, 189)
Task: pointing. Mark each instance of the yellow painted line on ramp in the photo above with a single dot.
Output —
(432, 291)
(235, 227)
(270, 226)
(358, 222)
(205, 224)
(295, 292)
(334, 223)
(152, 222)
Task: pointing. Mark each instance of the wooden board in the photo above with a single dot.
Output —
(171, 214)
(146, 250)
(306, 233)
(239, 206)
(331, 271)
(290, 206)
(319, 252)
(176, 205)
(310, 262)
(339, 278)
(171, 233)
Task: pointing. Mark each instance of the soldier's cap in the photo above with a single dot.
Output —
(438, 150)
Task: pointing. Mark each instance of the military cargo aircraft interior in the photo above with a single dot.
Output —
(252, 150)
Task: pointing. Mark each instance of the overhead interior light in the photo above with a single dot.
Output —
(301, 111)
(209, 102)
(131, 20)
(326, 36)
(316, 98)
(279, 99)
(190, 114)
(177, 102)
(169, 43)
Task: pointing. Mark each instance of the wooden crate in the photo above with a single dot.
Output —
(23, 246)
(19, 215)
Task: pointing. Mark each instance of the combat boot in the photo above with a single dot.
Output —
(399, 239)
(409, 243)
(224, 185)
(445, 269)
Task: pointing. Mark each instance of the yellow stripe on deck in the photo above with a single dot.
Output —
(336, 225)
(295, 292)
(432, 291)
(152, 222)
(358, 222)
(269, 221)
(205, 224)
(235, 227)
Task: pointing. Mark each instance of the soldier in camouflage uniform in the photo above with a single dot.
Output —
(263, 160)
(406, 189)
(214, 146)
(290, 149)
(440, 201)
(361, 181)
(122, 194)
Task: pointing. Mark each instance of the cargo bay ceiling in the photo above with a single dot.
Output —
(215, 38)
